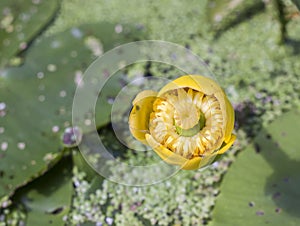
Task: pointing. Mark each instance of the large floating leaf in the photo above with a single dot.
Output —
(47, 200)
(262, 185)
(20, 21)
(36, 99)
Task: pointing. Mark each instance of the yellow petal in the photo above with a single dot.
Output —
(197, 82)
(175, 159)
(228, 115)
(227, 145)
(140, 114)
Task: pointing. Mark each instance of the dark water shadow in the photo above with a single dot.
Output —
(284, 184)
(294, 45)
(46, 186)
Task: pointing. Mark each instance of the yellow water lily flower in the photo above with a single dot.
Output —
(187, 123)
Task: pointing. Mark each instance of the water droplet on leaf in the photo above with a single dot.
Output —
(76, 33)
(118, 28)
(40, 75)
(4, 146)
(72, 136)
(62, 93)
(21, 145)
(41, 98)
(51, 67)
(55, 129)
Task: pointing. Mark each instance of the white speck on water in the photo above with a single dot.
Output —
(218, 18)
(110, 100)
(4, 146)
(72, 136)
(4, 205)
(76, 32)
(55, 129)
(78, 78)
(2, 106)
(87, 122)
(215, 164)
(51, 67)
(33, 162)
(2, 109)
(139, 80)
(94, 45)
(109, 220)
(21, 145)
(2, 130)
(40, 75)
(23, 45)
(68, 130)
(62, 93)
(118, 28)
(41, 98)
(65, 218)
(76, 217)
(48, 157)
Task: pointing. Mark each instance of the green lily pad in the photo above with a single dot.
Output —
(47, 200)
(20, 22)
(36, 99)
(262, 185)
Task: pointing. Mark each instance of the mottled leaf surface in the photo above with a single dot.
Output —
(262, 185)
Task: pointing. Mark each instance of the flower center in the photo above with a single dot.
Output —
(191, 131)
(186, 114)
(187, 122)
